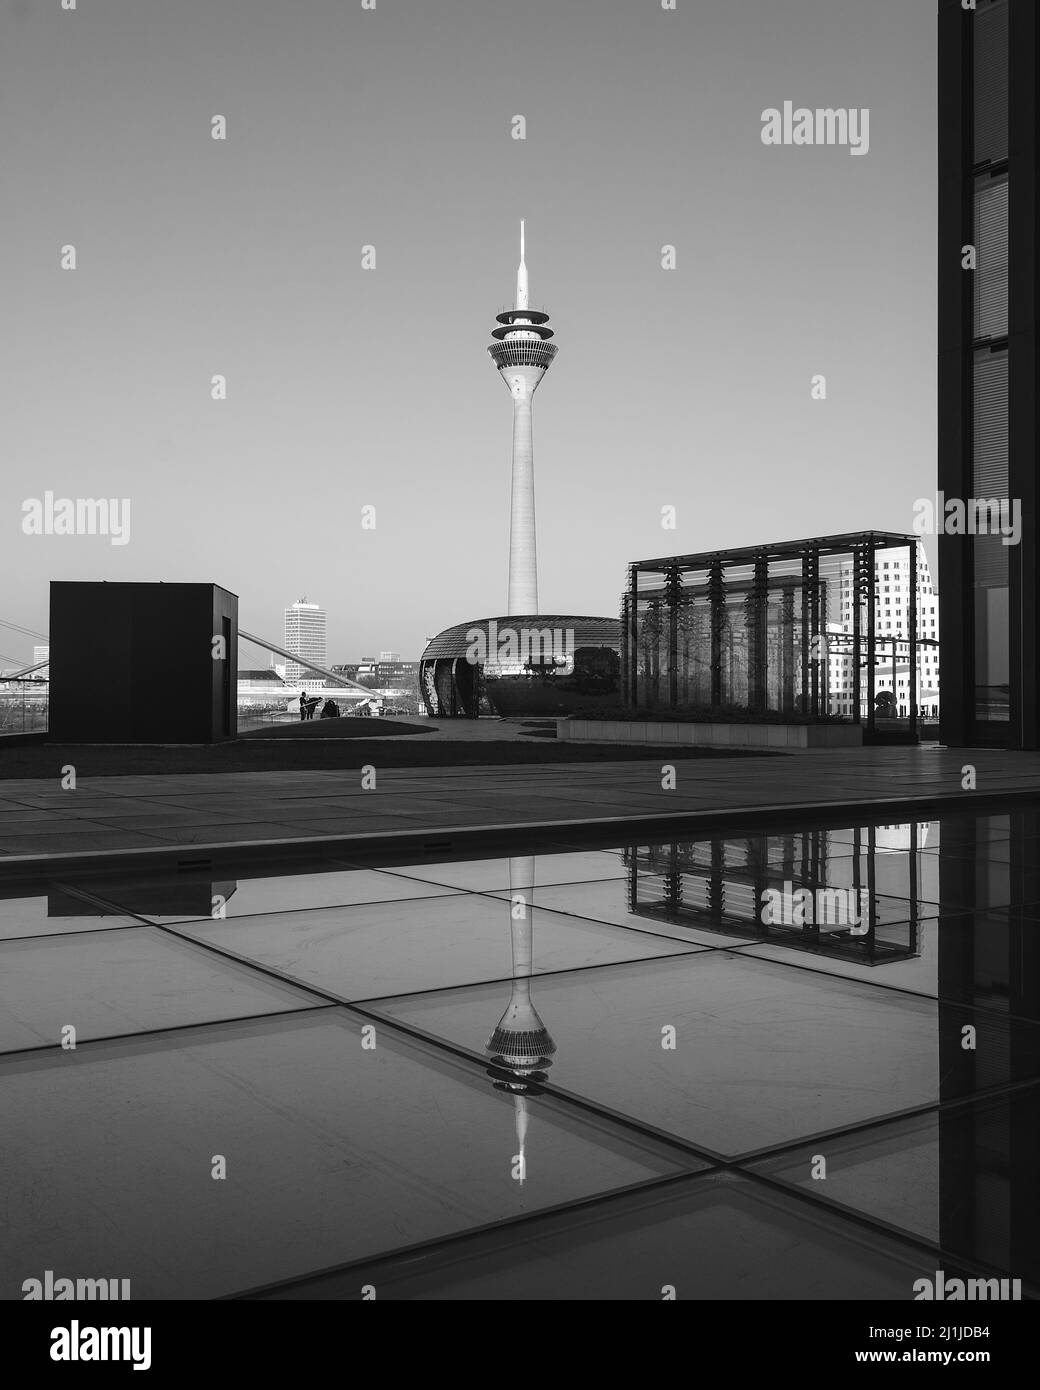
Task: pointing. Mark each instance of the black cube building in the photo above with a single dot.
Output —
(143, 663)
(988, 396)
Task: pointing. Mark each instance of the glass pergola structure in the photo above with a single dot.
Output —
(799, 628)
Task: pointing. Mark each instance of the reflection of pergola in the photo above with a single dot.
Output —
(748, 628)
(719, 885)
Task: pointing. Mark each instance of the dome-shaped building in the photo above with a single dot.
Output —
(524, 664)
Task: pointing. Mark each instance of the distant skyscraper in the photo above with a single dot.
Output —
(305, 636)
(522, 354)
(41, 654)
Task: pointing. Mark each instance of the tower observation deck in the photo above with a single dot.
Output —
(523, 354)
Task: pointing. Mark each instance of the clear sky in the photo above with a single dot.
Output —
(351, 387)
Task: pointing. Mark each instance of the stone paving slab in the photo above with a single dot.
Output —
(44, 825)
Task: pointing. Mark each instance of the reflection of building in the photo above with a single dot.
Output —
(463, 671)
(520, 1047)
(305, 636)
(987, 384)
(766, 630)
(722, 885)
(152, 897)
(989, 978)
(523, 354)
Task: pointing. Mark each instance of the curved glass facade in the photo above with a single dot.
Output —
(537, 664)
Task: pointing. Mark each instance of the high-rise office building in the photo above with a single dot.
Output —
(305, 636)
(41, 654)
(988, 399)
(522, 354)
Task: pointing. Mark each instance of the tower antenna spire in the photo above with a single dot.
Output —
(521, 274)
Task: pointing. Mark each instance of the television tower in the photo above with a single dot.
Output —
(522, 354)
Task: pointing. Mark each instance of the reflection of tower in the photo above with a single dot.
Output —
(520, 1047)
(522, 354)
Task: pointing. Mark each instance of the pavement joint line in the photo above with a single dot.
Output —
(454, 1239)
(456, 1242)
(440, 1045)
(83, 1044)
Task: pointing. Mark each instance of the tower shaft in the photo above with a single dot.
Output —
(523, 546)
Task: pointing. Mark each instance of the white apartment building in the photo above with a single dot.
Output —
(892, 629)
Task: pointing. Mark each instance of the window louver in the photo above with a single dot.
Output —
(991, 274)
(989, 474)
(991, 83)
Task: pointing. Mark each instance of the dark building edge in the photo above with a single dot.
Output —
(959, 724)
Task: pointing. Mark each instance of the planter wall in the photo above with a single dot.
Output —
(790, 736)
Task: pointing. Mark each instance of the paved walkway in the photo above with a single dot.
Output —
(157, 819)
